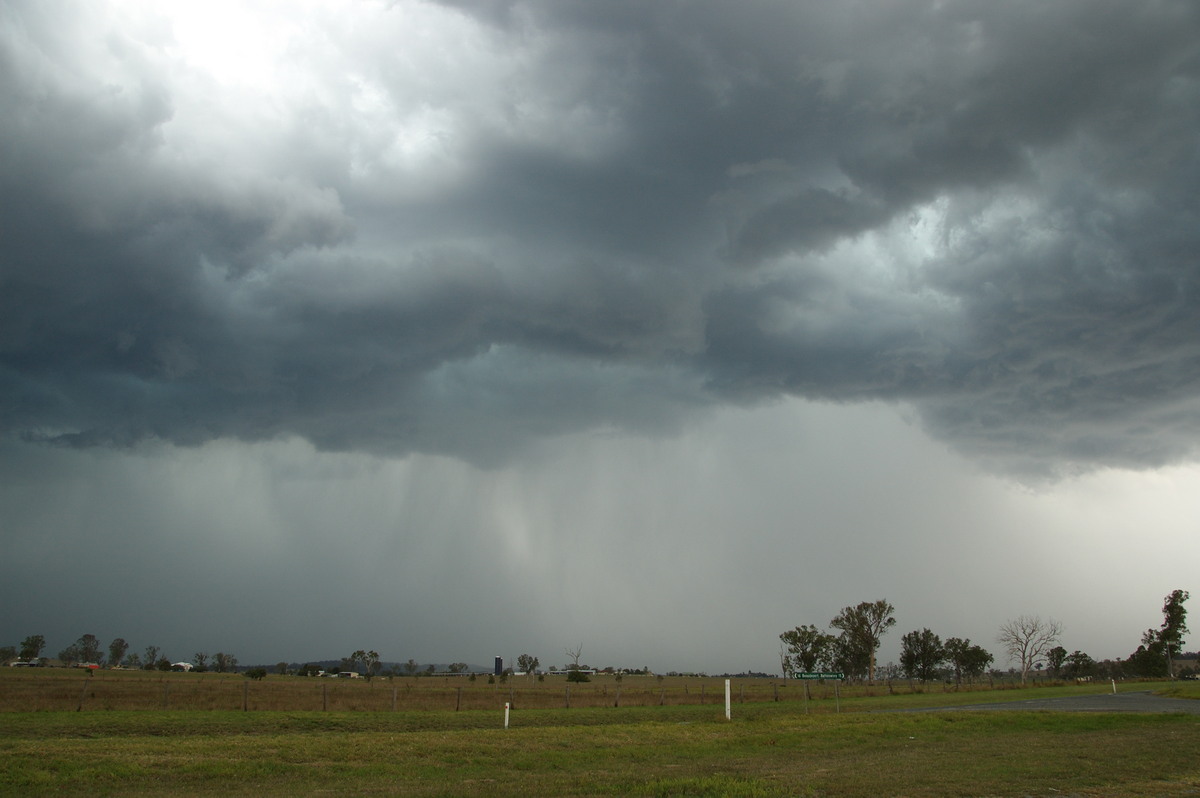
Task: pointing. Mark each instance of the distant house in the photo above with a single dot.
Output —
(181, 666)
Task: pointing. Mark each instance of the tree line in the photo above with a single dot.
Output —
(851, 652)
(88, 650)
(1030, 641)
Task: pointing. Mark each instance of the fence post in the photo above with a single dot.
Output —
(245, 696)
(568, 696)
(393, 699)
(458, 700)
(324, 697)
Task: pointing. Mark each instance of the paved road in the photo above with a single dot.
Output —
(1101, 702)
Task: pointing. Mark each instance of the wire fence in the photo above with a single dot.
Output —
(38, 691)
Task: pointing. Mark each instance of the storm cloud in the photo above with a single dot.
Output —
(444, 220)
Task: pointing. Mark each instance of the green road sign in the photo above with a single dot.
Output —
(820, 675)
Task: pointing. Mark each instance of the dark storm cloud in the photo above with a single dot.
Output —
(613, 214)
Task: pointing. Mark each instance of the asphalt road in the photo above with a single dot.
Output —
(1101, 702)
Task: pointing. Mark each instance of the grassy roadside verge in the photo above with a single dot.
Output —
(766, 750)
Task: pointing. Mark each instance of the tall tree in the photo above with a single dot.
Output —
(527, 663)
(1078, 665)
(921, 654)
(31, 647)
(807, 648)
(1028, 637)
(116, 651)
(1174, 625)
(150, 657)
(1150, 659)
(368, 659)
(1055, 658)
(967, 659)
(85, 649)
(862, 628)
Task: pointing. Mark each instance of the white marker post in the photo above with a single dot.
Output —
(506, 715)
(726, 699)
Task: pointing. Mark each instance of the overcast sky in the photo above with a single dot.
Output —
(455, 330)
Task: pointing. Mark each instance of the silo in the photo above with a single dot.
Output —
(499, 665)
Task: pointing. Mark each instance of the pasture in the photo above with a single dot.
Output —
(659, 741)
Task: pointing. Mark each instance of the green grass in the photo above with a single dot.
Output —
(768, 749)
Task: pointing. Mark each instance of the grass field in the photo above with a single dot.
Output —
(769, 748)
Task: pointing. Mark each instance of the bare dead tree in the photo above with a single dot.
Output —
(1028, 637)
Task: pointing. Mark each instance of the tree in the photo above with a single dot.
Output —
(966, 659)
(31, 647)
(1028, 637)
(410, 667)
(458, 667)
(862, 628)
(200, 662)
(85, 649)
(1174, 625)
(574, 672)
(1078, 665)
(116, 651)
(150, 657)
(1150, 659)
(807, 649)
(921, 654)
(1055, 658)
(224, 663)
(370, 660)
(527, 663)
